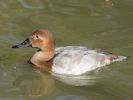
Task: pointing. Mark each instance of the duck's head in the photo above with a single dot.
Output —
(41, 39)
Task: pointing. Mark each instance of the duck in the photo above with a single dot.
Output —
(66, 60)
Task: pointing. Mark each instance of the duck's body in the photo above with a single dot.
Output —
(76, 60)
(70, 60)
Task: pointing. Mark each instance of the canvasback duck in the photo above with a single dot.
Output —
(69, 60)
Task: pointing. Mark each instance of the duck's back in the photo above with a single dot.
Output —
(75, 60)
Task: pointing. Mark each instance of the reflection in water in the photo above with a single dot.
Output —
(40, 84)
(80, 80)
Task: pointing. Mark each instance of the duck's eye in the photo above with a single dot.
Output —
(37, 36)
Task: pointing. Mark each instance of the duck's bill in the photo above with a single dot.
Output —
(24, 44)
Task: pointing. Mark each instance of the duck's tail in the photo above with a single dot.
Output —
(120, 58)
(115, 58)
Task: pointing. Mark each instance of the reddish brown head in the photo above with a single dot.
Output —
(41, 39)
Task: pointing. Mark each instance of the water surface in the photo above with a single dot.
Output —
(90, 23)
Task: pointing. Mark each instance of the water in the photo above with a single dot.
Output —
(95, 24)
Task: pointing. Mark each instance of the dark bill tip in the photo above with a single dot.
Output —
(15, 46)
(24, 44)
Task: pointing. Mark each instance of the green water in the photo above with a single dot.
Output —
(91, 23)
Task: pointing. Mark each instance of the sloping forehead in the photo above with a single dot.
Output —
(43, 33)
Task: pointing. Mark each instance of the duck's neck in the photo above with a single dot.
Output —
(41, 59)
(48, 53)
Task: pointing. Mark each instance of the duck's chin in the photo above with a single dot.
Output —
(38, 49)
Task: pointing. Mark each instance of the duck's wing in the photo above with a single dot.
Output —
(98, 50)
(61, 49)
